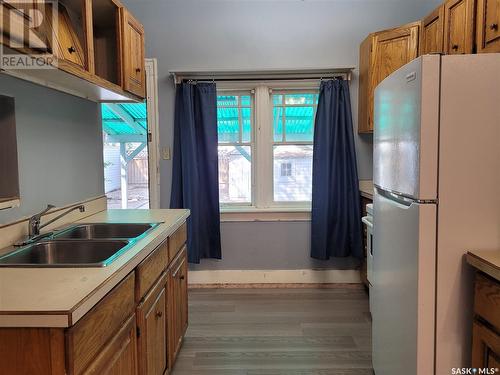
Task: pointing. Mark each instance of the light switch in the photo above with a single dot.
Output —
(165, 153)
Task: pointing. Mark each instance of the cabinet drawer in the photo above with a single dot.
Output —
(150, 270)
(177, 240)
(87, 337)
(487, 299)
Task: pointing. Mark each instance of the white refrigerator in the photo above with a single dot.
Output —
(437, 194)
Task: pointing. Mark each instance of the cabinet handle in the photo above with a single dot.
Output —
(182, 277)
(454, 47)
(71, 49)
(494, 26)
(159, 314)
(138, 70)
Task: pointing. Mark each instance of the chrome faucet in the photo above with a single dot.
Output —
(34, 221)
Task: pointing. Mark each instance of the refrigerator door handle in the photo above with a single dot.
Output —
(396, 199)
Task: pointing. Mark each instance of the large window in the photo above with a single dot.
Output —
(293, 126)
(234, 127)
(266, 146)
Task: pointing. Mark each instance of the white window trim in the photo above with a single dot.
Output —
(153, 128)
(263, 207)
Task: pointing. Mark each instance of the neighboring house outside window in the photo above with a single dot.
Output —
(266, 146)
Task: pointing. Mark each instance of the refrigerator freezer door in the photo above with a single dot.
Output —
(406, 117)
(403, 289)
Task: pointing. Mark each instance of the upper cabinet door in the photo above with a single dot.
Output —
(458, 26)
(133, 55)
(431, 40)
(391, 50)
(488, 26)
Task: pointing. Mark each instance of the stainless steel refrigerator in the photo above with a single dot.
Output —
(437, 194)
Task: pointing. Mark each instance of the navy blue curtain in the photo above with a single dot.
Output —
(195, 183)
(335, 216)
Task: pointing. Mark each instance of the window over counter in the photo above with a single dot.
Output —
(266, 146)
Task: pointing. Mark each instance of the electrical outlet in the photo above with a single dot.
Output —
(165, 153)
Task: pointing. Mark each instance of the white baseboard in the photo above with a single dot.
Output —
(274, 277)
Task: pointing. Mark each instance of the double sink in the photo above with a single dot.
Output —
(80, 245)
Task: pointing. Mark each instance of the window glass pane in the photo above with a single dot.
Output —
(299, 124)
(245, 101)
(292, 173)
(277, 99)
(246, 117)
(227, 100)
(291, 99)
(235, 174)
(227, 125)
(278, 124)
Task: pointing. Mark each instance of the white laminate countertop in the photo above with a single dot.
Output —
(59, 297)
(366, 188)
(486, 261)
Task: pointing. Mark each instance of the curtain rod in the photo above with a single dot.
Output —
(267, 75)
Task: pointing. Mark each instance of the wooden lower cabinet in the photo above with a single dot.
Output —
(127, 332)
(151, 330)
(178, 316)
(119, 356)
(486, 325)
(485, 347)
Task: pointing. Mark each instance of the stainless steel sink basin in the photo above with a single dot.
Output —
(66, 253)
(99, 231)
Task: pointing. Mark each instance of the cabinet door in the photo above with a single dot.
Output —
(485, 347)
(458, 26)
(391, 50)
(431, 40)
(488, 26)
(118, 357)
(152, 317)
(133, 55)
(365, 58)
(178, 304)
(183, 292)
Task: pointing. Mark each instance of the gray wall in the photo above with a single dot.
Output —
(59, 147)
(255, 35)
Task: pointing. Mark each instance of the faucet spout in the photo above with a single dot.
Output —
(81, 208)
(34, 221)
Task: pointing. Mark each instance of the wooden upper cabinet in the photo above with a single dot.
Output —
(152, 326)
(134, 77)
(488, 26)
(365, 56)
(381, 54)
(106, 41)
(458, 26)
(70, 39)
(432, 34)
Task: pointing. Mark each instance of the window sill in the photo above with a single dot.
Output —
(248, 213)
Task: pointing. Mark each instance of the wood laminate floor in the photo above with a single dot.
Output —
(277, 332)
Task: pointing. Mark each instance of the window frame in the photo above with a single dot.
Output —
(240, 142)
(262, 143)
(284, 142)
